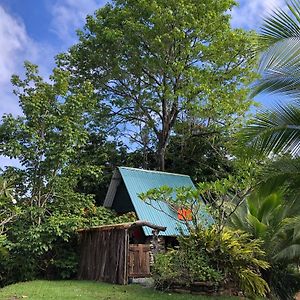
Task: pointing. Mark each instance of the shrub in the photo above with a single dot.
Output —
(284, 281)
(50, 249)
(183, 267)
(227, 257)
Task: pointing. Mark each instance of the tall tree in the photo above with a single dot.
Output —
(151, 61)
(49, 134)
(47, 139)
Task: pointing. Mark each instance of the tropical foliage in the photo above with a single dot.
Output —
(208, 250)
(280, 61)
(230, 259)
(278, 130)
(272, 213)
(272, 217)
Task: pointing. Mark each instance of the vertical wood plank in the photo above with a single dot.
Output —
(104, 256)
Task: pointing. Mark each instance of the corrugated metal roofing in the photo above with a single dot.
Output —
(138, 181)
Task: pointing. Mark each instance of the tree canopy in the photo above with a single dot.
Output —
(152, 62)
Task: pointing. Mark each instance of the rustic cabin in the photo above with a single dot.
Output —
(115, 253)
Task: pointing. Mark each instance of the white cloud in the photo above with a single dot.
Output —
(250, 13)
(13, 37)
(69, 15)
(16, 46)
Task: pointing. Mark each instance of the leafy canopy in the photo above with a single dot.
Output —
(153, 61)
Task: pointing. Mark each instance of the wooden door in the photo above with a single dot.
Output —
(139, 260)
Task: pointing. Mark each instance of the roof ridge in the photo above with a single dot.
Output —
(155, 171)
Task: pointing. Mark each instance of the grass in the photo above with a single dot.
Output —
(87, 290)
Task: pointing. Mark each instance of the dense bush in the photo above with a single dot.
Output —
(184, 267)
(49, 249)
(208, 249)
(284, 281)
(228, 258)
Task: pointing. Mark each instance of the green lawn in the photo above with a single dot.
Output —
(86, 290)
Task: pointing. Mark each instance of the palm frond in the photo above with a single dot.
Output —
(290, 253)
(259, 229)
(285, 172)
(280, 69)
(276, 131)
(291, 223)
(282, 25)
(280, 44)
(268, 206)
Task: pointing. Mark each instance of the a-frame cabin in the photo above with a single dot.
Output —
(128, 183)
(116, 253)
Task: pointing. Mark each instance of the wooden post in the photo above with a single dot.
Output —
(154, 242)
(154, 245)
(126, 257)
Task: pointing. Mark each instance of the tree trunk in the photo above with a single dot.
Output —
(163, 136)
(161, 155)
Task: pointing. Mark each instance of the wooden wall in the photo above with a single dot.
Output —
(104, 255)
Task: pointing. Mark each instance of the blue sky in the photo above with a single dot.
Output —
(37, 30)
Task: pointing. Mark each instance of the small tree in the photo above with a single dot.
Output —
(209, 250)
(47, 139)
(212, 202)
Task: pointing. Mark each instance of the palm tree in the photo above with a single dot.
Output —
(274, 219)
(278, 130)
(280, 40)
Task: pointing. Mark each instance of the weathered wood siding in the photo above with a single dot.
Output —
(104, 255)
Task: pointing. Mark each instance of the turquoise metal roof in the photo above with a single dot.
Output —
(138, 181)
